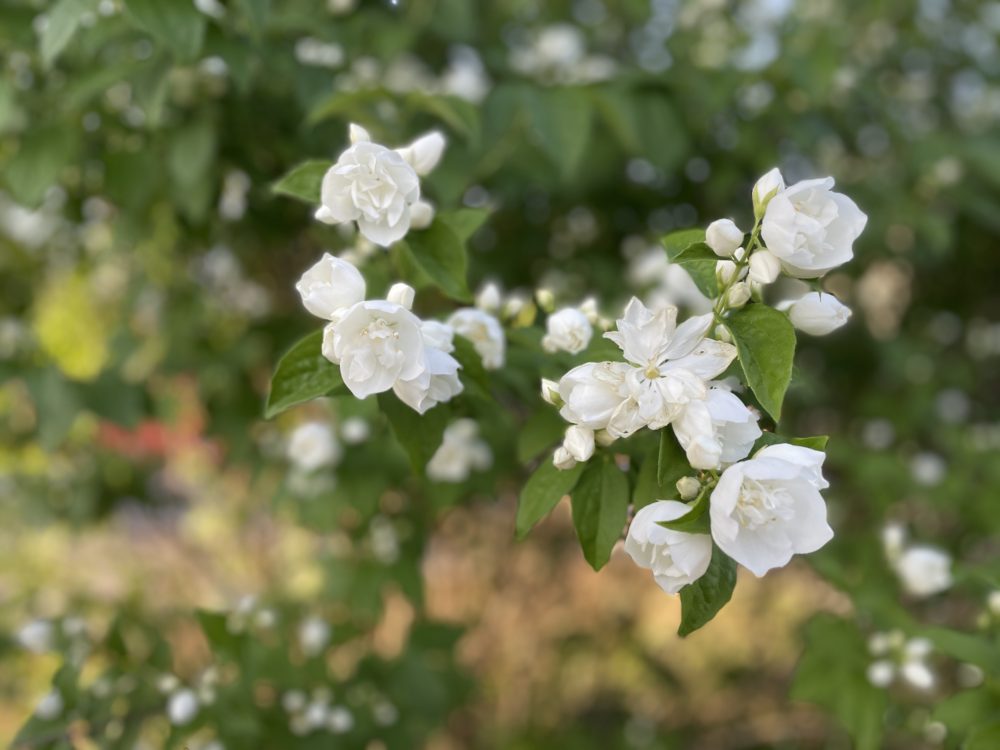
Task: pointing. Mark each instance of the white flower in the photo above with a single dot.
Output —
(489, 297)
(595, 395)
(314, 634)
(718, 430)
(182, 707)
(562, 459)
(50, 706)
(764, 267)
(818, 313)
(485, 333)
(377, 187)
(461, 451)
(724, 237)
(402, 295)
(567, 330)
(439, 382)
(810, 228)
(670, 362)
(37, 636)
(339, 720)
(312, 446)
(354, 430)
(675, 557)
(438, 335)
(768, 508)
(330, 287)
(924, 570)
(579, 442)
(375, 343)
(881, 673)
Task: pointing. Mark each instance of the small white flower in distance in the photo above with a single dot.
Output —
(818, 313)
(313, 445)
(354, 430)
(810, 228)
(589, 308)
(461, 452)
(314, 634)
(339, 720)
(766, 188)
(893, 537)
(881, 673)
(50, 706)
(993, 602)
(764, 267)
(768, 508)
(924, 570)
(489, 297)
(675, 557)
(379, 188)
(918, 674)
(37, 636)
(567, 330)
(330, 287)
(182, 707)
(724, 237)
(375, 343)
(293, 701)
(579, 442)
(485, 333)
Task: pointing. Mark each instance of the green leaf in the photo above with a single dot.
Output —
(440, 254)
(190, 161)
(765, 341)
(61, 24)
(645, 123)
(647, 489)
(702, 600)
(831, 674)
(460, 115)
(473, 374)
(695, 521)
(464, 221)
(984, 737)
(671, 462)
(561, 122)
(600, 509)
(966, 647)
(257, 11)
(542, 492)
(419, 434)
(543, 429)
(699, 261)
(57, 404)
(304, 181)
(175, 23)
(816, 442)
(38, 163)
(676, 243)
(302, 375)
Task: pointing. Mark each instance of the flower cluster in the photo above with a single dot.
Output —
(379, 187)
(380, 345)
(764, 508)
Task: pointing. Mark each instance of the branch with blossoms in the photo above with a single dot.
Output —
(665, 426)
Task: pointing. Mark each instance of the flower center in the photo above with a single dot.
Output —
(760, 504)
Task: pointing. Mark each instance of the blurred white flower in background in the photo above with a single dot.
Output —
(485, 333)
(567, 330)
(924, 570)
(50, 706)
(37, 636)
(312, 446)
(899, 658)
(461, 452)
(314, 635)
(182, 707)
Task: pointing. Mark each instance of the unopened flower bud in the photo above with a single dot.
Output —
(579, 441)
(550, 393)
(739, 294)
(766, 188)
(488, 298)
(725, 272)
(402, 294)
(688, 488)
(818, 313)
(546, 299)
(589, 308)
(562, 459)
(722, 334)
(724, 237)
(764, 267)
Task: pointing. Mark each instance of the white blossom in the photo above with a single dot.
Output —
(718, 430)
(595, 395)
(376, 343)
(766, 188)
(818, 313)
(377, 187)
(437, 383)
(50, 706)
(810, 228)
(764, 267)
(724, 237)
(354, 430)
(768, 508)
(578, 444)
(330, 287)
(924, 570)
(312, 446)
(485, 333)
(182, 707)
(567, 330)
(37, 636)
(489, 297)
(314, 634)
(738, 295)
(675, 557)
(461, 452)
